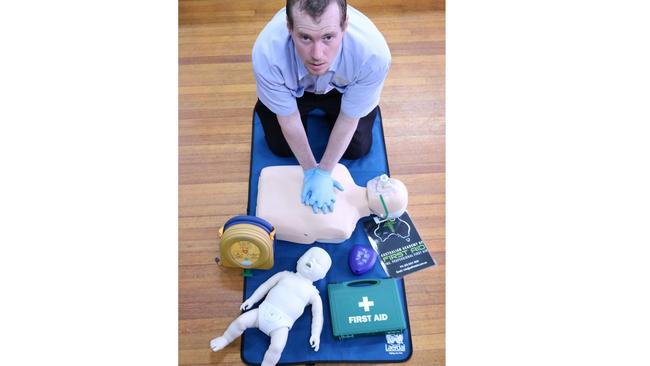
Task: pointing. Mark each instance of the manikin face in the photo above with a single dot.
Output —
(314, 264)
(393, 192)
(317, 41)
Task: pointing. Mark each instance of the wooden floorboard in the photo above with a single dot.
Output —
(216, 97)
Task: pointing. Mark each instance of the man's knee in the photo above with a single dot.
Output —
(362, 139)
(279, 148)
(273, 135)
(358, 149)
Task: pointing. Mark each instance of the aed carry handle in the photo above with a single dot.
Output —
(362, 283)
(244, 219)
(253, 220)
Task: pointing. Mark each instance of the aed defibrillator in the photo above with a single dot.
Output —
(246, 242)
(365, 307)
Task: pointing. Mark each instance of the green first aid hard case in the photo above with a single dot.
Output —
(365, 307)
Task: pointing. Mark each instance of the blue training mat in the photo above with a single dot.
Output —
(379, 348)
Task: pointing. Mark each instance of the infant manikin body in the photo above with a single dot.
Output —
(288, 294)
(278, 202)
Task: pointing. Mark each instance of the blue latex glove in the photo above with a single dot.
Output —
(318, 190)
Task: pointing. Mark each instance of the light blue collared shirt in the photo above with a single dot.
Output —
(358, 71)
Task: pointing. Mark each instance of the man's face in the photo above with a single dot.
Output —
(317, 43)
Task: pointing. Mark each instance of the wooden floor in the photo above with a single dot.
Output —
(216, 97)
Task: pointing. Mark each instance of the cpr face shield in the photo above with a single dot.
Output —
(387, 197)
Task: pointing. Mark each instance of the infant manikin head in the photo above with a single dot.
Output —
(314, 264)
(393, 192)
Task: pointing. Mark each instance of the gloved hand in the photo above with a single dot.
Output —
(318, 190)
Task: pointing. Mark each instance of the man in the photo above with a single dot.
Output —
(319, 54)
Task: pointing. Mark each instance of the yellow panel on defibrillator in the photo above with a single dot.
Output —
(246, 243)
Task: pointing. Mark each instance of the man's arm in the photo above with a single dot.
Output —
(294, 133)
(339, 140)
(318, 187)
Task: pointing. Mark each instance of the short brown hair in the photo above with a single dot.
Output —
(315, 8)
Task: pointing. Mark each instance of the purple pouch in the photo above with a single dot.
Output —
(361, 259)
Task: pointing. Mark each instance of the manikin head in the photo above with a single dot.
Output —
(394, 195)
(316, 28)
(314, 264)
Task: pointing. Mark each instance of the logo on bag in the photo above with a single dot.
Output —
(395, 344)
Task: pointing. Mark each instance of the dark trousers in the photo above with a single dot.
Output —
(330, 103)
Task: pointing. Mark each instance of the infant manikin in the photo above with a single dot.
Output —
(288, 295)
(278, 202)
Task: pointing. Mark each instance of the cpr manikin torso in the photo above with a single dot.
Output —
(278, 202)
